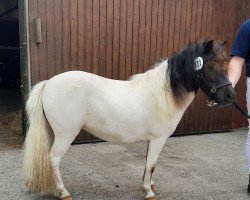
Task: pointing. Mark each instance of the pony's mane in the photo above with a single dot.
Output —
(155, 84)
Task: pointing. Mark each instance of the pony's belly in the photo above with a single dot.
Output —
(131, 132)
(118, 135)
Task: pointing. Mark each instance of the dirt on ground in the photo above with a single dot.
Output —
(11, 130)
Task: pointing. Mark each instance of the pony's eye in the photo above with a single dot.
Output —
(200, 75)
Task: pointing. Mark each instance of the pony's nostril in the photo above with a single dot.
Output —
(229, 96)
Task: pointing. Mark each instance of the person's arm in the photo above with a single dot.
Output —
(240, 51)
(234, 69)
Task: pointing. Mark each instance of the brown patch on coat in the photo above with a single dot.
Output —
(67, 198)
(153, 188)
(152, 171)
(151, 198)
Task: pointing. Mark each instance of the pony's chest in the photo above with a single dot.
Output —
(165, 127)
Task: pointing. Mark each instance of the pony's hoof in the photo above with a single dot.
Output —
(151, 198)
(153, 188)
(67, 198)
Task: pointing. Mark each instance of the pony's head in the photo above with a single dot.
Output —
(201, 65)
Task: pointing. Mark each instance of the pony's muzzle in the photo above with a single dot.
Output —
(225, 96)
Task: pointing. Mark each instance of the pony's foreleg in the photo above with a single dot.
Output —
(59, 148)
(154, 148)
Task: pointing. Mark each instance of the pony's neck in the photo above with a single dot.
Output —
(156, 83)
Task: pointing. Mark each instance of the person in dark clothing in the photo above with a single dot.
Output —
(241, 56)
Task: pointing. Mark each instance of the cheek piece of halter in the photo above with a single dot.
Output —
(210, 87)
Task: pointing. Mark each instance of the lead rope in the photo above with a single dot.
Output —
(240, 109)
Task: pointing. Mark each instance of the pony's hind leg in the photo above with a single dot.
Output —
(59, 148)
(154, 149)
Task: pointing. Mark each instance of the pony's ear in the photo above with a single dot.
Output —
(208, 46)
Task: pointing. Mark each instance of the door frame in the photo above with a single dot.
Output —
(24, 56)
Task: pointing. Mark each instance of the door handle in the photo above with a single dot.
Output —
(38, 28)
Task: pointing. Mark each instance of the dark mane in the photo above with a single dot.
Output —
(181, 66)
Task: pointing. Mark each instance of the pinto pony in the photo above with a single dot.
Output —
(147, 107)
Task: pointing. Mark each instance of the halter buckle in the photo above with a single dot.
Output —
(213, 90)
(211, 103)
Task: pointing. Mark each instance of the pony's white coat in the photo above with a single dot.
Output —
(116, 111)
(139, 109)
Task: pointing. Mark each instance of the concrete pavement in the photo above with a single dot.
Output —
(198, 167)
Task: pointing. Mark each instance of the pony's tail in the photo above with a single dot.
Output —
(38, 172)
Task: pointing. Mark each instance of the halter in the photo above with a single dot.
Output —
(211, 88)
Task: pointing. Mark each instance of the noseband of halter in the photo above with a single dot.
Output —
(211, 88)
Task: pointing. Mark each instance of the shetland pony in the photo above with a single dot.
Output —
(147, 107)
